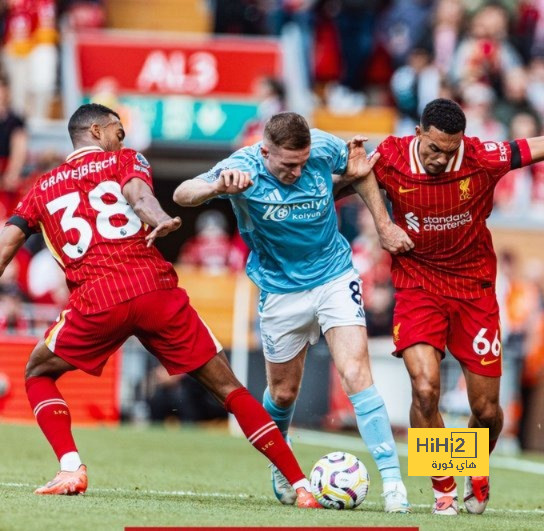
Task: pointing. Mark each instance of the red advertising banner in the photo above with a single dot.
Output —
(176, 66)
(91, 400)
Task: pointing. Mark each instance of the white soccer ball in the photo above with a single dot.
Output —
(339, 481)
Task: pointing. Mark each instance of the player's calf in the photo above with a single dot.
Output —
(262, 432)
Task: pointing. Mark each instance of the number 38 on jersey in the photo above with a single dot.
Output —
(115, 218)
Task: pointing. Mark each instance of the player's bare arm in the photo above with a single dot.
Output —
(146, 206)
(11, 240)
(197, 191)
(536, 146)
(392, 238)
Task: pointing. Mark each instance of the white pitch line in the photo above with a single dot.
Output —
(347, 442)
(181, 493)
(193, 494)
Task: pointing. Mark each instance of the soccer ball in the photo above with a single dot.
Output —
(339, 481)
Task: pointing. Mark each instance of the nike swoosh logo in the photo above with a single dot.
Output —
(403, 190)
(484, 362)
(448, 489)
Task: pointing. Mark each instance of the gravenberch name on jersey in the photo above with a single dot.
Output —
(78, 173)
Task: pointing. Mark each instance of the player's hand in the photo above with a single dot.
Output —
(233, 182)
(394, 239)
(162, 229)
(359, 165)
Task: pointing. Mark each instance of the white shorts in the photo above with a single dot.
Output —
(291, 320)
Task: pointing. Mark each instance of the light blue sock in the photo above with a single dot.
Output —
(282, 416)
(375, 429)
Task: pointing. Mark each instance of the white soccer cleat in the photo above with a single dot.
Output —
(446, 506)
(396, 500)
(476, 494)
(283, 490)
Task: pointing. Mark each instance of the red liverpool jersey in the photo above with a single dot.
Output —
(445, 215)
(92, 231)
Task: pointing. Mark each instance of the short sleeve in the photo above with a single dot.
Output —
(133, 165)
(26, 215)
(498, 158)
(334, 149)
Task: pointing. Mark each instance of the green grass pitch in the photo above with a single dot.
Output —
(199, 477)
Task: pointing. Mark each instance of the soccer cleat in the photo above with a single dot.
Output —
(396, 500)
(66, 483)
(306, 500)
(283, 490)
(476, 494)
(446, 506)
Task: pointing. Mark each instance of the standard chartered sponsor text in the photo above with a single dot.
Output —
(453, 221)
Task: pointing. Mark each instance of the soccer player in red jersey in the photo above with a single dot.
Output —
(99, 218)
(440, 183)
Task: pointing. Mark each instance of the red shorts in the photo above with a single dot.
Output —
(469, 328)
(163, 321)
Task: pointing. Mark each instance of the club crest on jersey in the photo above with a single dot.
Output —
(321, 184)
(464, 189)
(142, 160)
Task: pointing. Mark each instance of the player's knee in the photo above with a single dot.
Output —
(35, 368)
(487, 412)
(43, 362)
(426, 397)
(355, 379)
(284, 396)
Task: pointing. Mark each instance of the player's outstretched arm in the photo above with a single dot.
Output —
(146, 206)
(392, 238)
(12, 239)
(536, 146)
(194, 192)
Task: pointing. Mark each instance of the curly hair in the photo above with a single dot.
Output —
(85, 116)
(446, 115)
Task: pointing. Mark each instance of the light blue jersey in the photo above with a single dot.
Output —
(291, 230)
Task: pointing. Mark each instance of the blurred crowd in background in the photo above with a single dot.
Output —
(358, 54)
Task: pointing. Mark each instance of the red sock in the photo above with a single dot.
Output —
(492, 445)
(52, 413)
(443, 484)
(262, 432)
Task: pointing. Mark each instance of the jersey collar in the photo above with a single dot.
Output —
(417, 167)
(83, 151)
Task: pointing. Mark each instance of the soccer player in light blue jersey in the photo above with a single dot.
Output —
(281, 190)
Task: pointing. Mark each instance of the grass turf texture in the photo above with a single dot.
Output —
(192, 476)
